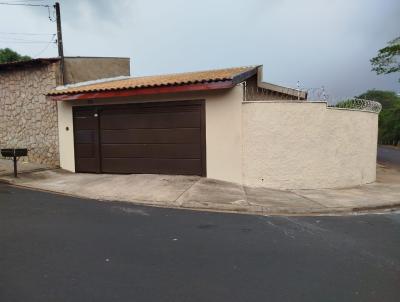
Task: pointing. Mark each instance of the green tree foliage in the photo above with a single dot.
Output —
(389, 117)
(345, 104)
(389, 126)
(386, 98)
(8, 55)
(387, 60)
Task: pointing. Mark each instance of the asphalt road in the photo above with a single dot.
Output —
(389, 155)
(57, 248)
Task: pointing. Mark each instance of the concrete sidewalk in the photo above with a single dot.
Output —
(191, 192)
(7, 167)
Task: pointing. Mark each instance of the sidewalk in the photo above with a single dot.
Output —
(7, 167)
(192, 192)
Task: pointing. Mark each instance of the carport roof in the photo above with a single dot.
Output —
(200, 80)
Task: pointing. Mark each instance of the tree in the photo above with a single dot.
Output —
(386, 98)
(8, 55)
(389, 125)
(387, 59)
(389, 117)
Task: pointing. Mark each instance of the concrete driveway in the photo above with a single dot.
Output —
(193, 192)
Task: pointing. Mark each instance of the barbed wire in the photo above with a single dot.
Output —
(358, 104)
(313, 95)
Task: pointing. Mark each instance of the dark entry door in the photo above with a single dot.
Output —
(151, 138)
(86, 136)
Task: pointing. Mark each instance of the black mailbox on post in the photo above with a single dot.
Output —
(14, 153)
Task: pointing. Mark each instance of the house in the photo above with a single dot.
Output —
(225, 124)
(27, 119)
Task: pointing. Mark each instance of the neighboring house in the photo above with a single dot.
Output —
(27, 118)
(224, 124)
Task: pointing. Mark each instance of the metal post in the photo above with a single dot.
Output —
(15, 167)
(298, 90)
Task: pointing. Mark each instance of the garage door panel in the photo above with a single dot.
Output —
(87, 165)
(151, 166)
(154, 138)
(85, 150)
(149, 108)
(151, 136)
(185, 151)
(85, 136)
(83, 112)
(151, 121)
(85, 123)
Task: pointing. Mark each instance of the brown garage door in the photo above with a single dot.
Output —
(156, 138)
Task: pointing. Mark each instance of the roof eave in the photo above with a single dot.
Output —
(245, 75)
(284, 90)
(144, 91)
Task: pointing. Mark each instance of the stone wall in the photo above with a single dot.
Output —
(27, 118)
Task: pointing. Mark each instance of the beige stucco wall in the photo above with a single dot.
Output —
(223, 129)
(80, 69)
(224, 135)
(290, 145)
(27, 118)
(278, 144)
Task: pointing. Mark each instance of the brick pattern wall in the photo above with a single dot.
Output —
(27, 118)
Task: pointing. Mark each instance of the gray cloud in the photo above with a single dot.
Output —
(312, 41)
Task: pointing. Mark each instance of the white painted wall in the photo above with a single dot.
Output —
(224, 136)
(66, 137)
(223, 129)
(290, 145)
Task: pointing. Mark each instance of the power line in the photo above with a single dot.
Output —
(56, 17)
(44, 2)
(24, 4)
(24, 42)
(25, 34)
(20, 40)
(6, 39)
(45, 48)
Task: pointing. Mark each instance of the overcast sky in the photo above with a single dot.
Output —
(317, 42)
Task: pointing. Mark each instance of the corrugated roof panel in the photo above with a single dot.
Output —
(154, 81)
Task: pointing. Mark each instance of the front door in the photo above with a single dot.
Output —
(86, 137)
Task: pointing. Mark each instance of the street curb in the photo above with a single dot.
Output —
(234, 209)
(7, 182)
(339, 211)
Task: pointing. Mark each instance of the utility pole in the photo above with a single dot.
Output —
(60, 41)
